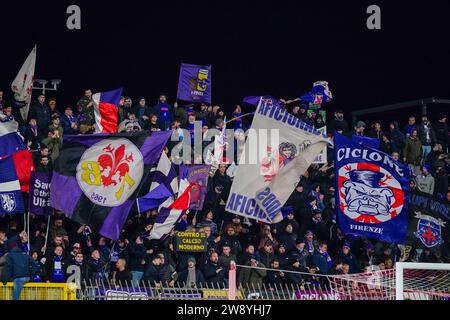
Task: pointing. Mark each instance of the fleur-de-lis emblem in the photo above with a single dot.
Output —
(114, 167)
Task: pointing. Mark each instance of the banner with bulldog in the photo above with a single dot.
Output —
(428, 221)
(371, 192)
(279, 149)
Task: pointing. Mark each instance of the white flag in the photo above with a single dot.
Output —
(262, 186)
(22, 86)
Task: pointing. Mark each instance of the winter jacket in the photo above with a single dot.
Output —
(50, 266)
(18, 264)
(67, 125)
(425, 183)
(275, 279)
(349, 259)
(252, 276)
(41, 112)
(152, 274)
(233, 242)
(212, 277)
(339, 125)
(288, 239)
(413, 151)
(441, 132)
(199, 278)
(138, 254)
(54, 145)
(320, 261)
(224, 261)
(397, 138)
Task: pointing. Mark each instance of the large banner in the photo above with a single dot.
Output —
(97, 178)
(194, 84)
(429, 220)
(191, 241)
(198, 174)
(279, 149)
(371, 192)
(39, 196)
(322, 156)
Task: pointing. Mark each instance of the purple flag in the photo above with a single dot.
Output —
(194, 84)
(97, 179)
(39, 196)
(198, 174)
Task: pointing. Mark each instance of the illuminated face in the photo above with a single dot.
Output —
(79, 258)
(226, 250)
(214, 257)
(395, 156)
(96, 255)
(58, 251)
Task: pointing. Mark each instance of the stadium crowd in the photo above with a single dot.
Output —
(308, 240)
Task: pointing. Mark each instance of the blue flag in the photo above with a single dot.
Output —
(371, 192)
(254, 100)
(373, 143)
(194, 84)
(154, 198)
(319, 94)
(11, 200)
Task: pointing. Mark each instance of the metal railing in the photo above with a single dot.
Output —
(102, 290)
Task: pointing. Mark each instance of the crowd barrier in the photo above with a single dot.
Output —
(40, 291)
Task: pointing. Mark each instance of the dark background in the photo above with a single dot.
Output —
(254, 47)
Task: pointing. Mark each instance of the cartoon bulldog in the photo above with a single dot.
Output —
(364, 195)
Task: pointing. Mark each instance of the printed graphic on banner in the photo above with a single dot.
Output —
(371, 192)
(261, 187)
(194, 84)
(104, 175)
(39, 195)
(198, 174)
(429, 219)
(110, 171)
(318, 295)
(11, 201)
(322, 156)
(190, 241)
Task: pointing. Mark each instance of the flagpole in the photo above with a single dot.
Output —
(24, 221)
(46, 234)
(244, 115)
(28, 232)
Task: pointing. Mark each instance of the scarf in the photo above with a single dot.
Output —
(310, 246)
(191, 278)
(33, 129)
(58, 274)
